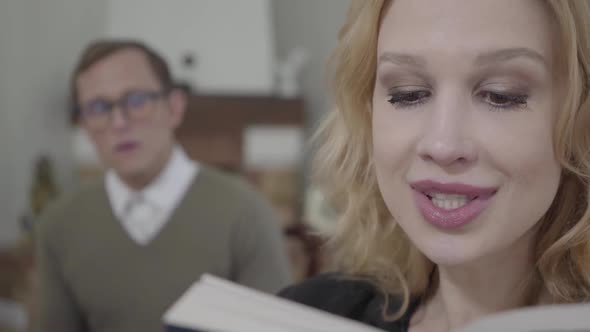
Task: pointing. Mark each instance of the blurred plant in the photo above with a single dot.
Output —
(43, 188)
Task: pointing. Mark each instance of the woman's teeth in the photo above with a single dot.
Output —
(448, 201)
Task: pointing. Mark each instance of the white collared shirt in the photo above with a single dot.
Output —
(144, 213)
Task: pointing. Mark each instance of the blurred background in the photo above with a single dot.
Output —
(255, 71)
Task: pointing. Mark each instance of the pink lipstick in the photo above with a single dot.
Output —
(451, 205)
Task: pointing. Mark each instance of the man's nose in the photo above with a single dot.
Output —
(119, 118)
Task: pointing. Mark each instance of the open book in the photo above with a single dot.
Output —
(216, 305)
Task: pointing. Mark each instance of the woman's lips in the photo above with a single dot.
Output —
(473, 200)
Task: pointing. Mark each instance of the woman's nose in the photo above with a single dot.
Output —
(447, 137)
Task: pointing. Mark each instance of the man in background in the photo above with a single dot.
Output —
(115, 256)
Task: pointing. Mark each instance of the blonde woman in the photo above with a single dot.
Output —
(458, 157)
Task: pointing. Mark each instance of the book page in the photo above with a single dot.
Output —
(554, 318)
(214, 304)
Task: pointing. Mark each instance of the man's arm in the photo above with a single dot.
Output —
(258, 250)
(56, 309)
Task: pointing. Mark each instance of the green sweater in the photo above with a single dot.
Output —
(94, 278)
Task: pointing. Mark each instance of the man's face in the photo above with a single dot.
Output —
(134, 137)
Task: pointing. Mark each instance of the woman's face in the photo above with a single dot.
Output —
(463, 112)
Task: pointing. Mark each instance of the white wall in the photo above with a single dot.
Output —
(314, 25)
(232, 39)
(40, 41)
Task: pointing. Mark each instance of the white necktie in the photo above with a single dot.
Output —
(141, 218)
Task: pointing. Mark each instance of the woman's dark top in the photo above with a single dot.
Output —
(354, 299)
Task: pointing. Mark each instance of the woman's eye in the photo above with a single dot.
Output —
(408, 98)
(501, 101)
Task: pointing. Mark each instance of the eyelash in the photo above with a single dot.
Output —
(409, 99)
(514, 101)
(402, 99)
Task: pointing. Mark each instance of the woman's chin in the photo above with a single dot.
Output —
(452, 252)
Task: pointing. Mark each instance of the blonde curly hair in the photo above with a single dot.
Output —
(366, 243)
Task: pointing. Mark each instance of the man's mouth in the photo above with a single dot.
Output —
(126, 147)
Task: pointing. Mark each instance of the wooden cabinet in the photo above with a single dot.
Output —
(213, 128)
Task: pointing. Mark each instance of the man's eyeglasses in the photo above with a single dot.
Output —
(134, 105)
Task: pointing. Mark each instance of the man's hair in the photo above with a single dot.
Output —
(103, 48)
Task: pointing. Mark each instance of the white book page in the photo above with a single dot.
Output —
(555, 318)
(215, 304)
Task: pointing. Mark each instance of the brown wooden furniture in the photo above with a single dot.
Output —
(212, 131)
